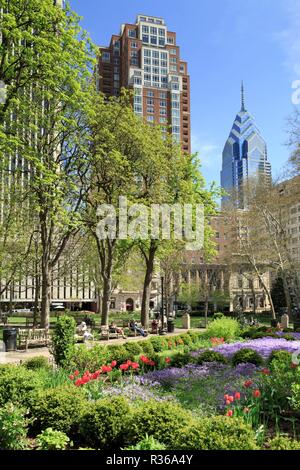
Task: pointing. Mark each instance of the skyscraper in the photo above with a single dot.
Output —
(144, 57)
(244, 155)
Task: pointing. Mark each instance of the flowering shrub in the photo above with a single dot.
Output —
(13, 427)
(245, 404)
(263, 346)
(217, 341)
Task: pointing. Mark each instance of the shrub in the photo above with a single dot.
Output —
(117, 353)
(295, 398)
(59, 408)
(52, 440)
(89, 359)
(247, 355)
(289, 337)
(211, 356)
(63, 340)
(159, 344)
(133, 349)
(105, 425)
(187, 340)
(18, 384)
(13, 427)
(38, 362)
(196, 337)
(162, 420)
(216, 433)
(226, 328)
(181, 359)
(282, 443)
(148, 443)
(147, 347)
(280, 355)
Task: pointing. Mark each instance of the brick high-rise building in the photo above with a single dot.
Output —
(144, 57)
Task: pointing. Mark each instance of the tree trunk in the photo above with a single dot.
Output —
(36, 298)
(45, 304)
(287, 294)
(206, 312)
(147, 286)
(105, 301)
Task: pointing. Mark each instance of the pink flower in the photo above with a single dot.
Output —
(113, 363)
(229, 413)
(230, 398)
(228, 402)
(71, 377)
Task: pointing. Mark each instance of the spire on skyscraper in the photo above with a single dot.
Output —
(243, 109)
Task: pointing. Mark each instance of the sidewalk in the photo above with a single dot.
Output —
(17, 357)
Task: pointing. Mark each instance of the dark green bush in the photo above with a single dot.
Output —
(159, 343)
(58, 408)
(211, 356)
(13, 427)
(162, 420)
(38, 362)
(105, 425)
(289, 337)
(282, 443)
(133, 349)
(181, 359)
(247, 355)
(63, 340)
(18, 384)
(148, 443)
(280, 355)
(216, 433)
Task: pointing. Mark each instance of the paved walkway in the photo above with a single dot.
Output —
(17, 357)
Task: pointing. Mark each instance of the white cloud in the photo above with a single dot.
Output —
(289, 38)
(209, 153)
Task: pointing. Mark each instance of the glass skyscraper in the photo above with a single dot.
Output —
(244, 156)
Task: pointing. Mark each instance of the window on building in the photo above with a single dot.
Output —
(138, 108)
(138, 99)
(150, 110)
(147, 60)
(161, 32)
(150, 102)
(134, 45)
(132, 33)
(145, 38)
(163, 112)
(145, 29)
(161, 41)
(153, 40)
(105, 57)
(173, 51)
(170, 40)
(163, 104)
(164, 63)
(150, 94)
(155, 62)
(163, 120)
(153, 30)
(147, 77)
(163, 95)
(116, 77)
(182, 69)
(173, 60)
(137, 80)
(147, 53)
(155, 54)
(134, 61)
(150, 118)
(116, 61)
(173, 68)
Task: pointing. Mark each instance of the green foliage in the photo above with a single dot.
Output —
(226, 328)
(52, 440)
(13, 427)
(181, 359)
(295, 396)
(18, 384)
(105, 424)
(216, 433)
(247, 355)
(218, 316)
(147, 347)
(211, 356)
(148, 443)
(187, 340)
(117, 353)
(36, 363)
(92, 359)
(59, 408)
(163, 421)
(282, 443)
(133, 349)
(159, 343)
(63, 340)
(280, 355)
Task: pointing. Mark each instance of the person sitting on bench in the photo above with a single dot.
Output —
(134, 327)
(113, 328)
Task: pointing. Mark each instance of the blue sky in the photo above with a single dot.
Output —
(223, 41)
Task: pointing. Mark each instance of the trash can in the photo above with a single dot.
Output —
(171, 326)
(296, 325)
(10, 338)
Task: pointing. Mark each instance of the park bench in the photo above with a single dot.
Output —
(108, 333)
(33, 337)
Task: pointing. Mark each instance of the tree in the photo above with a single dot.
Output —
(49, 95)
(278, 294)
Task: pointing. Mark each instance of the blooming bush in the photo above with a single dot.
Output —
(226, 328)
(13, 427)
(263, 346)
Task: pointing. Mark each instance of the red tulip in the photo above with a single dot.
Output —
(124, 367)
(78, 382)
(168, 360)
(151, 363)
(237, 395)
(113, 363)
(248, 383)
(129, 363)
(134, 365)
(76, 373)
(71, 377)
(229, 413)
(226, 397)
(266, 371)
(256, 393)
(230, 398)
(228, 402)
